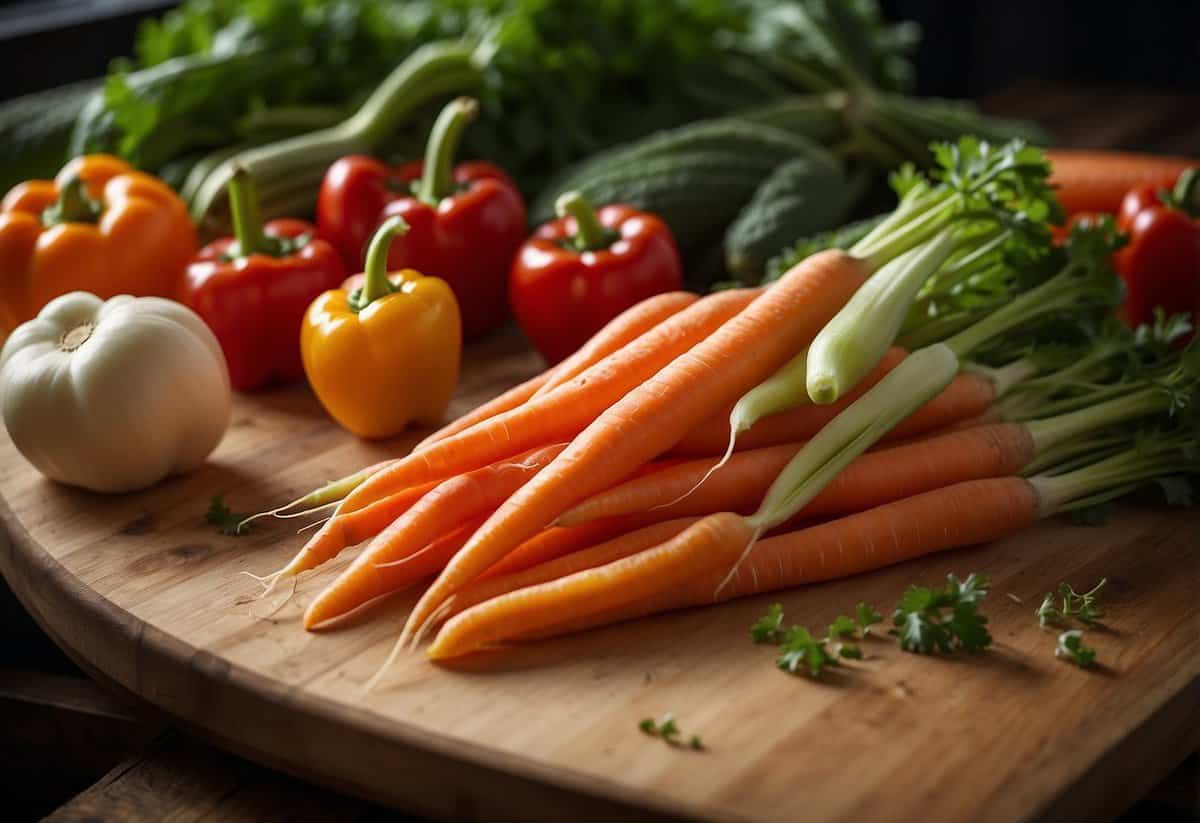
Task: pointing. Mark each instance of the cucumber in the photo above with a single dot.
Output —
(740, 140)
(799, 198)
(35, 131)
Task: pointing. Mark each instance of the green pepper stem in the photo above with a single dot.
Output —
(436, 179)
(247, 221)
(1186, 194)
(590, 233)
(72, 206)
(377, 283)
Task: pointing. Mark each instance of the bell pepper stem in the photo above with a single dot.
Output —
(1186, 194)
(377, 283)
(590, 233)
(247, 221)
(436, 178)
(72, 206)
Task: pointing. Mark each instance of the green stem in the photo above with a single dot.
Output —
(377, 283)
(430, 72)
(1186, 194)
(72, 206)
(590, 233)
(437, 178)
(247, 222)
(917, 379)
(1049, 432)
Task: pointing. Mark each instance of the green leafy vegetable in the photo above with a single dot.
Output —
(1070, 647)
(944, 619)
(230, 523)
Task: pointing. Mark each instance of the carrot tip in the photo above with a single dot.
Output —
(270, 588)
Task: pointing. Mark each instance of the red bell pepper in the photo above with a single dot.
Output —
(580, 271)
(1161, 263)
(253, 289)
(467, 221)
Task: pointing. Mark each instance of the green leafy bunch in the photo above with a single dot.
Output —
(800, 650)
(945, 619)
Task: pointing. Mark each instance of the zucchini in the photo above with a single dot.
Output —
(840, 238)
(35, 131)
(739, 140)
(799, 198)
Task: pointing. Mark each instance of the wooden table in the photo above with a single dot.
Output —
(144, 595)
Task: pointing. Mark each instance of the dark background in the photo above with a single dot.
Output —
(969, 49)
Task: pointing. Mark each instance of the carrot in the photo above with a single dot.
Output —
(968, 395)
(552, 543)
(599, 554)
(562, 413)
(510, 399)
(977, 511)
(709, 544)
(625, 327)
(655, 416)
(872, 479)
(1091, 180)
(471, 494)
(344, 530)
(398, 575)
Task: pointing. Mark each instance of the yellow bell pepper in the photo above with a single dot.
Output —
(383, 354)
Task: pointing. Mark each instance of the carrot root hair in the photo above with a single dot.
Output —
(737, 563)
(734, 431)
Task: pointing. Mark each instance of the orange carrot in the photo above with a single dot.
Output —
(598, 554)
(552, 543)
(878, 477)
(967, 396)
(622, 329)
(1091, 180)
(344, 530)
(713, 543)
(964, 514)
(625, 327)
(657, 414)
(398, 575)
(439, 511)
(510, 399)
(562, 413)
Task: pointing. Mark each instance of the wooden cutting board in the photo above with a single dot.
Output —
(142, 592)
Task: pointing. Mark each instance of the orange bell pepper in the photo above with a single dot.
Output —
(99, 226)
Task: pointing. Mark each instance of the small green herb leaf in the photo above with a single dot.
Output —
(801, 649)
(227, 522)
(668, 731)
(842, 626)
(1070, 647)
(768, 628)
(866, 616)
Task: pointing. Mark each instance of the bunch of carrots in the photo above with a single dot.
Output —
(948, 380)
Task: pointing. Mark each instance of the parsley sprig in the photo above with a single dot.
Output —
(800, 650)
(229, 523)
(667, 730)
(943, 619)
(1071, 647)
(1068, 604)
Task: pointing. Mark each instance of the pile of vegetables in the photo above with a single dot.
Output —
(284, 88)
(950, 379)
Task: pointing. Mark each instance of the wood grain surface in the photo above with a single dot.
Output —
(142, 592)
